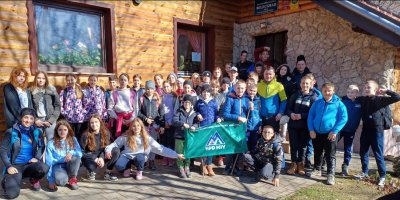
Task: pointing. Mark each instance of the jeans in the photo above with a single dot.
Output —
(154, 134)
(124, 163)
(266, 169)
(67, 170)
(298, 138)
(310, 149)
(91, 165)
(376, 141)
(208, 160)
(321, 144)
(11, 183)
(49, 131)
(348, 138)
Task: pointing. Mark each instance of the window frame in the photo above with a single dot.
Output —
(108, 36)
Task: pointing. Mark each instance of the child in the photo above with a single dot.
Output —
(196, 82)
(353, 108)
(139, 91)
(112, 83)
(21, 153)
(267, 157)
(254, 119)
(326, 118)
(206, 77)
(16, 96)
(180, 83)
(93, 143)
(170, 105)
(235, 109)
(137, 145)
(233, 74)
(207, 113)
(71, 104)
(217, 74)
(220, 99)
(372, 135)
(122, 105)
(184, 118)
(285, 77)
(47, 104)
(254, 76)
(152, 114)
(173, 80)
(259, 70)
(273, 99)
(188, 89)
(94, 100)
(158, 80)
(298, 107)
(228, 67)
(63, 156)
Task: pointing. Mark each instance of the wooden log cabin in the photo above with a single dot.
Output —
(148, 37)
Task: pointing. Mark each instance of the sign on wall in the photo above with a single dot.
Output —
(265, 6)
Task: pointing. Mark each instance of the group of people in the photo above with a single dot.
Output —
(51, 134)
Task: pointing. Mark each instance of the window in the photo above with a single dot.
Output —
(194, 47)
(277, 43)
(71, 36)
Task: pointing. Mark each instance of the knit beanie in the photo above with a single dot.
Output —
(188, 82)
(27, 111)
(188, 97)
(150, 84)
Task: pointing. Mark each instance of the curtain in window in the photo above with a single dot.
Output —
(194, 38)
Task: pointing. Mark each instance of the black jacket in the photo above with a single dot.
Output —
(11, 145)
(12, 105)
(150, 108)
(372, 107)
(297, 77)
(182, 117)
(269, 152)
(300, 104)
(288, 83)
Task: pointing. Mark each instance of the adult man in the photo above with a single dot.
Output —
(244, 66)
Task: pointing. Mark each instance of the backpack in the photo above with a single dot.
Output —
(386, 117)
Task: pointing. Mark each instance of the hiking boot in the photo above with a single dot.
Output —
(139, 175)
(182, 173)
(210, 170)
(91, 176)
(204, 170)
(300, 168)
(152, 165)
(345, 170)
(73, 183)
(110, 176)
(330, 180)
(361, 176)
(127, 173)
(292, 169)
(187, 172)
(35, 184)
(314, 173)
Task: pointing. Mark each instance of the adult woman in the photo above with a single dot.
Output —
(16, 96)
(21, 152)
(47, 104)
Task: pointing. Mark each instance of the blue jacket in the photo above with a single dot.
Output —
(57, 156)
(273, 98)
(254, 120)
(325, 117)
(209, 111)
(235, 107)
(354, 114)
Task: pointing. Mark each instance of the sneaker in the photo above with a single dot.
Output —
(361, 176)
(52, 187)
(139, 175)
(330, 180)
(127, 173)
(314, 173)
(345, 170)
(152, 165)
(187, 172)
(73, 183)
(110, 176)
(35, 184)
(381, 182)
(91, 176)
(182, 173)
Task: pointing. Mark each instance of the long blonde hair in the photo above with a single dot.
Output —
(34, 85)
(131, 141)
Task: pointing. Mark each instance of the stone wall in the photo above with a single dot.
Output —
(333, 51)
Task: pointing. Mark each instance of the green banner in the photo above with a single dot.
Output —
(216, 139)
